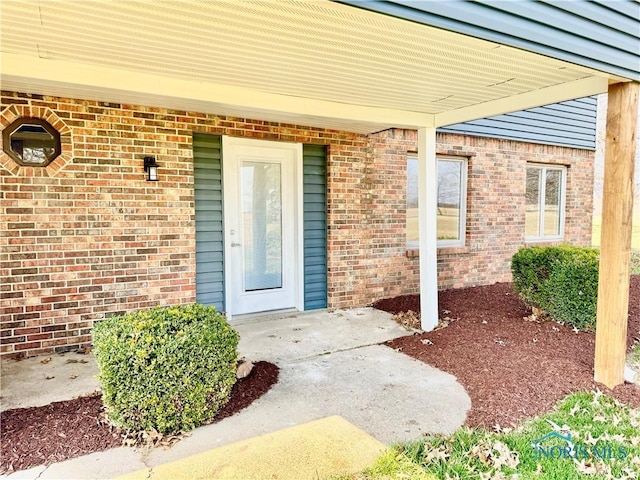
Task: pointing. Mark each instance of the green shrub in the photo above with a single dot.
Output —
(531, 268)
(562, 281)
(165, 369)
(572, 289)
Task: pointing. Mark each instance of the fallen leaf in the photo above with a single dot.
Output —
(596, 397)
(583, 466)
(439, 454)
(590, 439)
(73, 376)
(45, 360)
(574, 410)
(558, 428)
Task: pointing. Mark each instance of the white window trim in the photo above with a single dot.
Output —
(541, 195)
(462, 226)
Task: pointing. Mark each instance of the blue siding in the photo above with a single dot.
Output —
(603, 34)
(207, 164)
(568, 124)
(315, 226)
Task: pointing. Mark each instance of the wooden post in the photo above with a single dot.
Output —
(615, 246)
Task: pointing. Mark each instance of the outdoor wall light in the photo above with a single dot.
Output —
(151, 167)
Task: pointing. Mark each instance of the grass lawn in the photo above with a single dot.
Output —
(592, 435)
(635, 233)
(447, 219)
(635, 240)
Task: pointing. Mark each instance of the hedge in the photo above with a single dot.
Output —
(560, 280)
(165, 369)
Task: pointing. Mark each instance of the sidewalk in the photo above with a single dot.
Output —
(331, 364)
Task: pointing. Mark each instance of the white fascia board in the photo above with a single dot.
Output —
(544, 96)
(109, 84)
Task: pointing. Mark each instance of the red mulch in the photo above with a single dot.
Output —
(511, 368)
(62, 430)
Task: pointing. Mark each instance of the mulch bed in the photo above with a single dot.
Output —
(512, 368)
(62, 430)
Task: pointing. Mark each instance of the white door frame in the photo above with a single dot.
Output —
(230, 218)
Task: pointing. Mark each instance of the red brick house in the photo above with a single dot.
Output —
(281, 181)
(88, 236)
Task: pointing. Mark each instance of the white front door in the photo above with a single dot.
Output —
(261, 228)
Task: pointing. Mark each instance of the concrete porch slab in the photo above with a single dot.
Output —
(330, 365)
(38, 381)
(298, 335)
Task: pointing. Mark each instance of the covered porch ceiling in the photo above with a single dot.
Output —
(315, 63)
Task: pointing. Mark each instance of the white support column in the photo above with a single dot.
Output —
(427, 217)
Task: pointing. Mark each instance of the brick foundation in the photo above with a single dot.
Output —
(87, 237)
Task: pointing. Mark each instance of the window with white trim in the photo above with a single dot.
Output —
(545, 200)
(452, 201)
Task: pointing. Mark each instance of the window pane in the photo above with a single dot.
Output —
(412, 200)
(552, 203)
(532, 203)
(33, 144)
(449, 199)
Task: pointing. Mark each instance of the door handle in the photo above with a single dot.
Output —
(236, 244)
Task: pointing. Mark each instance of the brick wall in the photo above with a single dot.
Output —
(87, 236)
(495, 206)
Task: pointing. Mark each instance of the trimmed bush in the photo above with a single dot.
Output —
(165, 369)
(562, 281)
(572, 289)
(531, 268)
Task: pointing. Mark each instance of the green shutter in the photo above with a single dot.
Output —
(207, 167)
(315, 226)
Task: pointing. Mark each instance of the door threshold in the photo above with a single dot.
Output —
(264, 316)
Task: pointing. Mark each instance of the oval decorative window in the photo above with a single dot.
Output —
(32, 142)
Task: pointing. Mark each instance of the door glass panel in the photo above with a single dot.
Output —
(262, 225)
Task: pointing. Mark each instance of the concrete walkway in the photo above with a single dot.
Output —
(330, 364)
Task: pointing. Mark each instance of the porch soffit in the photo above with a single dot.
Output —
(305, 62)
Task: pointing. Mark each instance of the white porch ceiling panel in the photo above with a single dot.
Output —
(317, 54)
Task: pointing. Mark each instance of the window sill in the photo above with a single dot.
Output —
(550, 240)
(444, 250)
